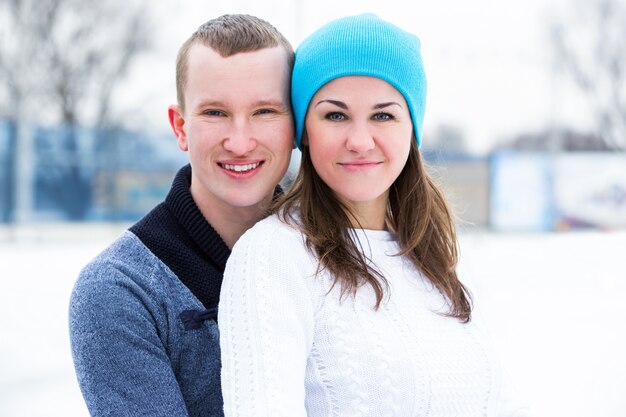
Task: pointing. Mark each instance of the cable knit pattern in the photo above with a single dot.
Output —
(290, 347)
(263, 303)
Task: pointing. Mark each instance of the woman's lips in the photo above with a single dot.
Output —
(357, 166)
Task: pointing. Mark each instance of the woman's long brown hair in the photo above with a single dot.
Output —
(418, 213)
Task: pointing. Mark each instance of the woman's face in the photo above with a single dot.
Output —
(359, 133)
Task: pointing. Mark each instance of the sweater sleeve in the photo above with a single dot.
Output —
(266, 321)
(508, 403)
(121, 363)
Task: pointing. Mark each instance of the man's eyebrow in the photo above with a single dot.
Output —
(337, 103)
(270, 103)
(211, 103)
(260, 103)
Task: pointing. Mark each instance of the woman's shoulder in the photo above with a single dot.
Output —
(273, 231)
(272, 249)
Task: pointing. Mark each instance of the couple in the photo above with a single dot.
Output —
(343, 302)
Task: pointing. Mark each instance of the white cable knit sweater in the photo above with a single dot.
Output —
(291, 348)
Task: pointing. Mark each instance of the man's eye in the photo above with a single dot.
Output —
(215, 113)
(382, 117)
(265, 111)
(335, 116)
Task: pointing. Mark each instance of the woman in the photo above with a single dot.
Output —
(346, 301)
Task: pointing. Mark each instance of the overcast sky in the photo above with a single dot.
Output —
(488, 63)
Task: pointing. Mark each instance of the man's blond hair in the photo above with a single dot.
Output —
(229, 35)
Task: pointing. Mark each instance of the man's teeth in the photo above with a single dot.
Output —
(241, 168)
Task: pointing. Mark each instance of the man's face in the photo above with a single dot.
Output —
(237, 125)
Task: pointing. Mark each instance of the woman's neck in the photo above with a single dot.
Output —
(370, 214)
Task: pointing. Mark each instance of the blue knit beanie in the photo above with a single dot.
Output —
(359, 45)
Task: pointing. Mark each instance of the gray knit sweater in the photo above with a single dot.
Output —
(143, 316)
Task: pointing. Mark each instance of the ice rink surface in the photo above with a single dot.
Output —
(555, 303)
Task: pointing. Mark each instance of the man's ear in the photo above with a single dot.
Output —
(177, 121)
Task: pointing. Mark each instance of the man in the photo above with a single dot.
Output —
(143, 313)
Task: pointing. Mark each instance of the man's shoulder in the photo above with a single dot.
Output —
(127, 248)
(125, 259)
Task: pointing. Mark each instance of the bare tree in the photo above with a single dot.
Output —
(589, 41)
(60, 63)
(70, 55)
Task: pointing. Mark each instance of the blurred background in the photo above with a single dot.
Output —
(525, 130)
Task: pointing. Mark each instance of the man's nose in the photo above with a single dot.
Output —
(240, 140)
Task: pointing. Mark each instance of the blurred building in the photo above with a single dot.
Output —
(87, 174)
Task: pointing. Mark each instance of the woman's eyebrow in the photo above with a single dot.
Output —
(337, 103)
(344, 106)
(383, 105)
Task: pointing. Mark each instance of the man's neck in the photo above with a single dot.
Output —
(232, 222)
(228, 221)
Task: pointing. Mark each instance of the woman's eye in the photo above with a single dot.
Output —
(382, 117)
(335, 116)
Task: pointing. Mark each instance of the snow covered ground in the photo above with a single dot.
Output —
(556, 305)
